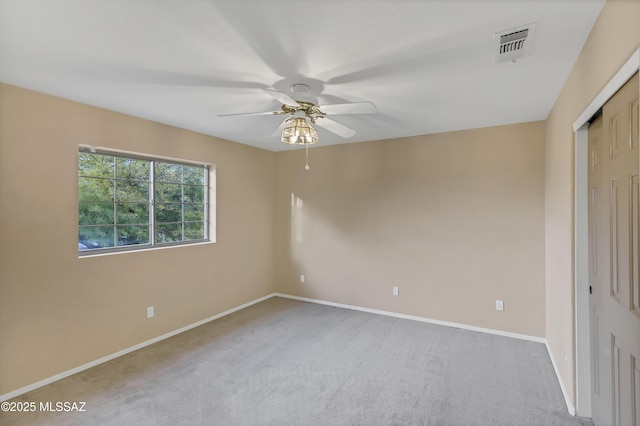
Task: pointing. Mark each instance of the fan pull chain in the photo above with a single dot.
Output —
(306, 167)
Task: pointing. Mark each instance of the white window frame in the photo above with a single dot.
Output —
(209, 203)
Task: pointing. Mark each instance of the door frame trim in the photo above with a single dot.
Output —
(581, 245)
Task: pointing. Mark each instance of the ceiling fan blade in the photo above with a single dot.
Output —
(278, 132)
(335, 127)
(251, 113)
(349, 108)
(282, 97)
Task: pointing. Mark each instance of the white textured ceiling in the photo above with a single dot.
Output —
(428, 66)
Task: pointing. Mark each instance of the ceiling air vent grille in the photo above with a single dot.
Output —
(514, 43)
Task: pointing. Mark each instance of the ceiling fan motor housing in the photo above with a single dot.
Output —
(301, 93)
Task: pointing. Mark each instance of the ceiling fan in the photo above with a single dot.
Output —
(302, 105)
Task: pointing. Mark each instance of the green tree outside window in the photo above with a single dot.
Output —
(127, 201)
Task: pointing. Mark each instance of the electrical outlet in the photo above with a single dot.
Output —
(395, 291)
(499, 305)
(150, 312)
(302, 278)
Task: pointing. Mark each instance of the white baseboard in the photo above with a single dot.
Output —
(570, 407)
(88, 365)
(102, 360)
(416, 318)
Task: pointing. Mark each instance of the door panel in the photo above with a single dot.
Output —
(614, 259)
(599, 401)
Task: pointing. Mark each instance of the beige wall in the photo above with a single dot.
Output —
(58, 311)
(614, 37)
(455, 220)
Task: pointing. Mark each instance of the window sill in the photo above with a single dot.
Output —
(138, 250)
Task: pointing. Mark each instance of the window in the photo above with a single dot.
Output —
(136, 202)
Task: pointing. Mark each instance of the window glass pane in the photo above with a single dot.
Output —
(194, 231)
(168, 213)
(132, 213)
(167, 172)
(168, 193)
(92, 189)
(194, 175)
(115, 201)
(93, 213)
(166, 233)
(96, 165)
(194, 212)
(131, 235)
(132, 169)
(131, 191)
(94, 237)
(193, 194)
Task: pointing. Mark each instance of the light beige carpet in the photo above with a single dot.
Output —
(284, 362)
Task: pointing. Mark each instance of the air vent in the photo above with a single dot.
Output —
(514, 43)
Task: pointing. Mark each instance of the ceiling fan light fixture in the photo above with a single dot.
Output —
(299, 132)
